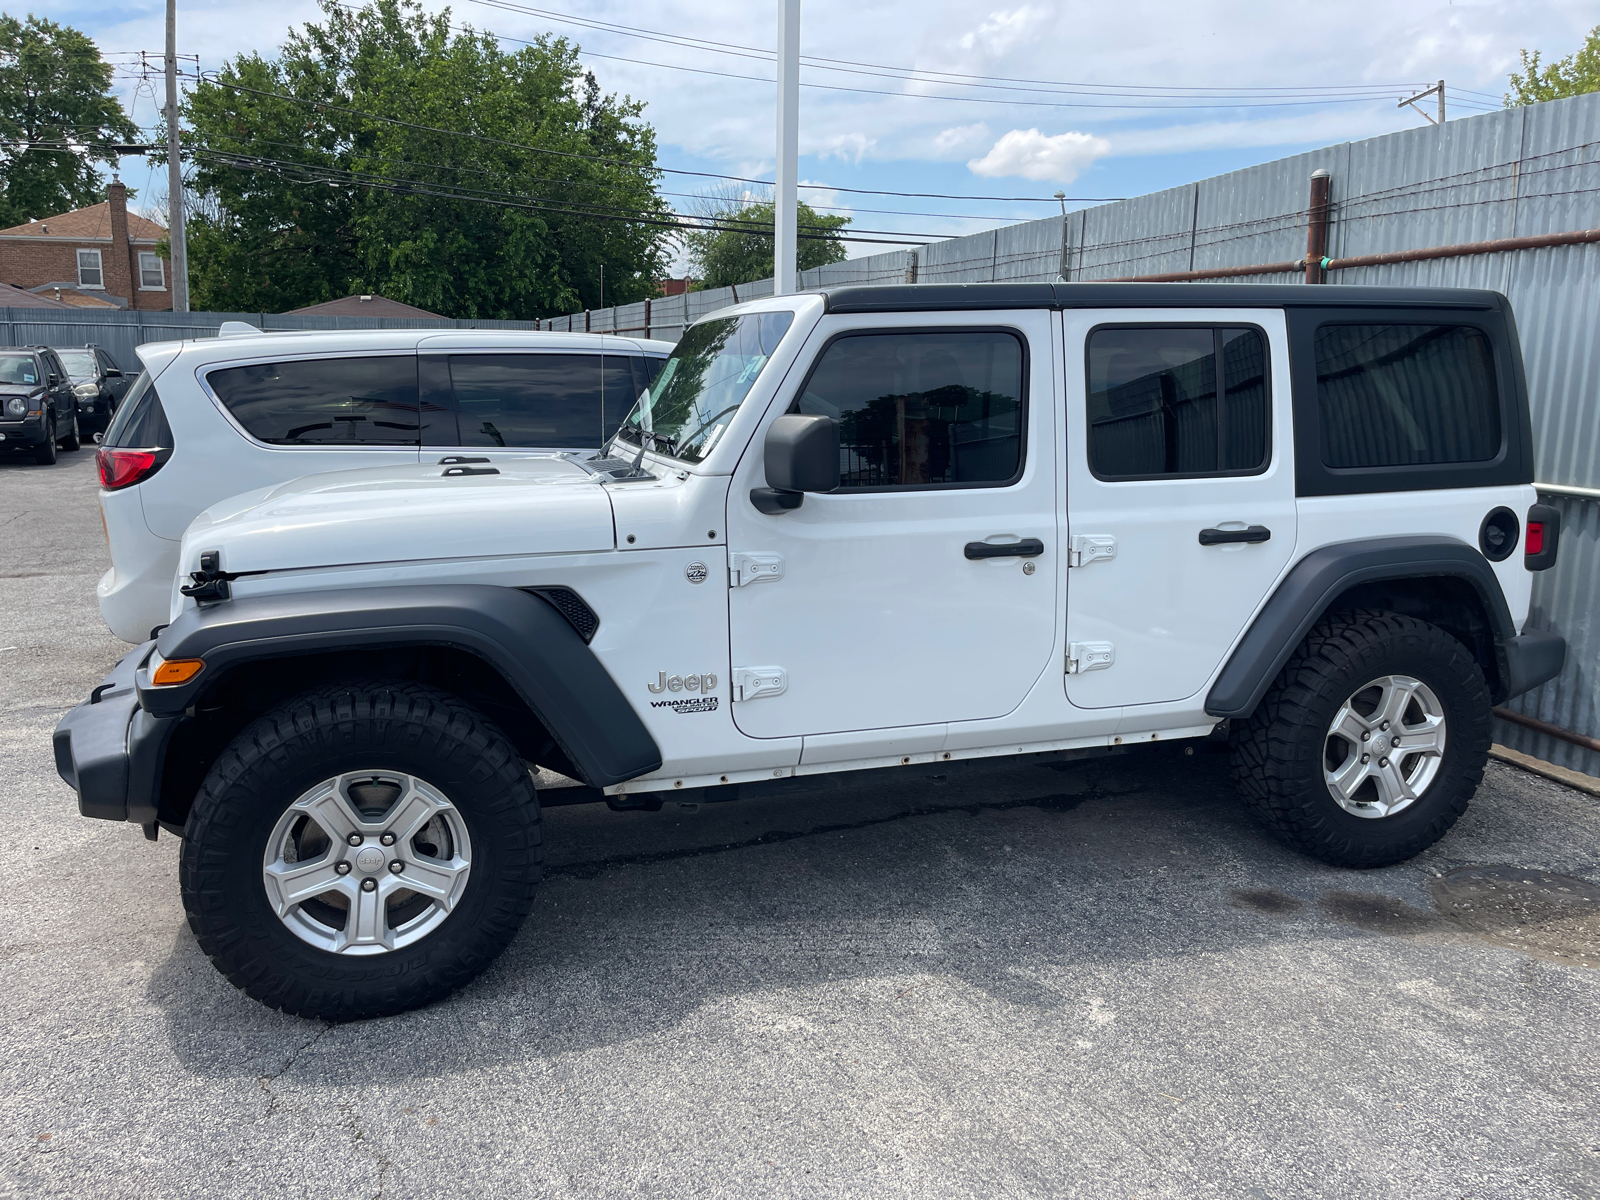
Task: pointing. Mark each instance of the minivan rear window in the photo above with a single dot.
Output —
(362, 400)
(1404, 395)
(140, 422)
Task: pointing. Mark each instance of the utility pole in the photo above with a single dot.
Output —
(1436, 89)
(786, 240)
(175, 235)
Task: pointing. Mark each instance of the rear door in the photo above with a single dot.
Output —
(501, 403)
(1180, 494)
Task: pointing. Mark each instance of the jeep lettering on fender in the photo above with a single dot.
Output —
(867, 485)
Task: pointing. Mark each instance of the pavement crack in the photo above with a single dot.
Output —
(265, 1082)
(1054, 803)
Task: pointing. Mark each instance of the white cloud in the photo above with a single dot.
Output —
(1033, 155)
(850, 147)
(961, 140)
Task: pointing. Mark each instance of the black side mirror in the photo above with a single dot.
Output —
(113, 373)
(55, 380)
(801, 455)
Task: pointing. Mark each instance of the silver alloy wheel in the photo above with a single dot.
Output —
(1384, 746)
(367, 862)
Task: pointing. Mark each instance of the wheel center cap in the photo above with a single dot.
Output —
(370, 860)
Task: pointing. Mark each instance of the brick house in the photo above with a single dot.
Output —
(89, 257)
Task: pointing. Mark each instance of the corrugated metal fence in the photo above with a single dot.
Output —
(1515, 173)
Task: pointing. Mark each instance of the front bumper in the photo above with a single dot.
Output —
(27, 432)
(109, 750)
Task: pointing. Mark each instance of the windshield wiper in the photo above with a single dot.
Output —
(672, 443)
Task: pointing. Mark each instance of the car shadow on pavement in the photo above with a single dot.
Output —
(1019, 882)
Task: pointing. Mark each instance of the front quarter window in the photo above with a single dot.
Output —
(689, 406)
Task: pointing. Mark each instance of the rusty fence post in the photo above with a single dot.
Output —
(1317, 230)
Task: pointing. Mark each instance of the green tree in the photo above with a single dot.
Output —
(741, 249)
(380, 152)
(57, 119)
(1573, 75)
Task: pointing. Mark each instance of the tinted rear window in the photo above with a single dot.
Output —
(141, 422)
(359, 401)
(1403, 395)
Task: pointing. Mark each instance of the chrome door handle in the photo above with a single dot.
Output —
(1221, 537)
(1026, 548)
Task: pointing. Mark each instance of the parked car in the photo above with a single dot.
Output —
(38, 411)
(98, 384)
(864, 529)
(210, 418)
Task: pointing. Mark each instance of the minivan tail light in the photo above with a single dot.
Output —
(1541, 537)
(123, 468)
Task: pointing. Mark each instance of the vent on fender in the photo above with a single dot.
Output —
(571, 606)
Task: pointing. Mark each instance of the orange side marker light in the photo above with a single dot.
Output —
(177, 670)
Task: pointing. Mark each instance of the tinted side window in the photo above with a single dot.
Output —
(1155, 408)
(528, 399)
(140, 422)
(621, 387)
(1398, 395)
(922, 408)
(360, 401)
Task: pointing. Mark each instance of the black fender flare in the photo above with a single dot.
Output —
(1317, 580)
(533, 647)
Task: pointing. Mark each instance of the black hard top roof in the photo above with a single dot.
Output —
(954, 297)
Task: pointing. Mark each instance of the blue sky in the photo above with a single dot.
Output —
(1121, 135)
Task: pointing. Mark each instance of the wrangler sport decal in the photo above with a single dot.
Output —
(698, 704)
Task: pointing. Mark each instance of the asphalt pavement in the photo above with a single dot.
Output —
(1024, 978)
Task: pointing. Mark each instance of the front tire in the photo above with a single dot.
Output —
(275, 873)
(1370, 743)
(45, 452)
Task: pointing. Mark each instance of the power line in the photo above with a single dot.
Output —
(686, 222)
(850, 66)
(598, 158)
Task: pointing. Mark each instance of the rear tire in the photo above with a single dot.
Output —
(45, 452)
(1298, 759)
(278, 895)
(73, 440)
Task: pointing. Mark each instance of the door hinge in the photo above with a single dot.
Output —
(753, 568)
(751, 682)
(1085, 548)
(1089, 656)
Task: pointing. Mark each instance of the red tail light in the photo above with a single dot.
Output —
(123, 468)
(1533, 540)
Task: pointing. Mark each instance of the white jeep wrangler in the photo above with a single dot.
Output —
(868, 528)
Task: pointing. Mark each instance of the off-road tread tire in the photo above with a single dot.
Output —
(44, 454)
(404, 726)
(1277, 752)
(72, 441)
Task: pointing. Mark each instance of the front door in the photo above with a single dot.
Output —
(1180, 495)
(923, 590)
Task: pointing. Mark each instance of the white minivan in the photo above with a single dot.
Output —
(211, 418)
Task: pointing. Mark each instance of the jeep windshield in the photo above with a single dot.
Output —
(687, 409)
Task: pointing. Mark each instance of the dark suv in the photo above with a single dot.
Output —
(98, 385)
(38, 411)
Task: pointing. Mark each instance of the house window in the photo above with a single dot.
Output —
(89, 273)
(151, 276)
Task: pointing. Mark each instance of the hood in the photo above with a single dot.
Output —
(545, 504)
